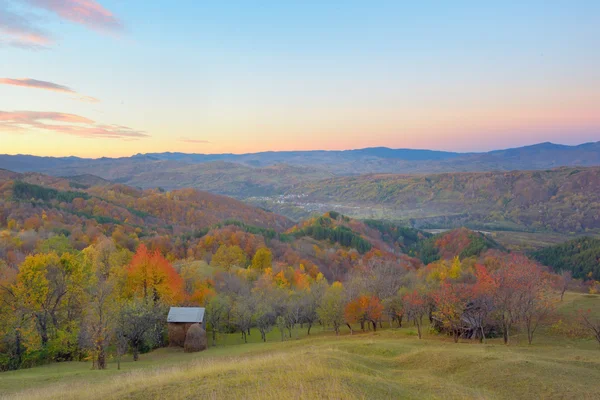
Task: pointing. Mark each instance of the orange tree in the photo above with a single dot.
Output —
(151, 276)
(363, 309)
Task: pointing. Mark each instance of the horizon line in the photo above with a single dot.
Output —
(308, 151)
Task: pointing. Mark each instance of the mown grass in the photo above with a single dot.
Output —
(377, 365)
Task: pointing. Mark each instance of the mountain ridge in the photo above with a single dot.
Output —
(276, 173)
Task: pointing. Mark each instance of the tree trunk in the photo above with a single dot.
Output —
(505, 334)
(374, 326)
(309, 326)
(482, 335)
(349, 326)
(101, 359)
(418, 328)
(214, 337)
(136, 353)
(18, 345)
(530, 331)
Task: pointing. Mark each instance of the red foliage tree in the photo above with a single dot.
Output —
(151, 276)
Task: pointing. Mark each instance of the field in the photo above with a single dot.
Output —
(389, 363)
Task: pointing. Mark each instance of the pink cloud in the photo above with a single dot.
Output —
(30, 116)
(34, 83)
(22, 121)
(21, 29)
(85, 12)
(44, 85)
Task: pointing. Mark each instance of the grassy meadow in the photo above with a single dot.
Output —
(387, 364)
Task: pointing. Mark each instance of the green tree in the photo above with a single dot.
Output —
(217, 310)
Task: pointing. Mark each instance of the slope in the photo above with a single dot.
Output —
(563, 199)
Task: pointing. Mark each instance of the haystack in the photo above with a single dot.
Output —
(195, 339)
(177, 334)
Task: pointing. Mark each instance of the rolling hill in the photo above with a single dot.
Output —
(563, 199)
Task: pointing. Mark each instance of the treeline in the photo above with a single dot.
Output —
(327, 227)
(394, 233)
(339, 234)
(579, 256)
(63, 304)
(27, 191)
(462, 243)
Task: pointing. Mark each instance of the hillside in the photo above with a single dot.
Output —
(563, 199)
(276, 172)
(181, 223)
(579, 256)
(179, 210)
(218, 177)
(461, 242)
(35, 208)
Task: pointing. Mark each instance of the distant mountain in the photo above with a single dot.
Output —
(277, 172)
(308, 157)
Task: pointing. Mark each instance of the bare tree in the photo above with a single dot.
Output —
(264, 318)
(565, 282)
(536, 304)
(592, 324)
(243, 313)
(311, 301)
(294, 310)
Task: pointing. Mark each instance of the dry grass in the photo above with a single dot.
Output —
(389, 364)
(382, 365)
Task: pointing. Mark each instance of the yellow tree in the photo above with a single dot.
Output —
(229, 256)
(262, 259)
(100, 320)
(51, 290)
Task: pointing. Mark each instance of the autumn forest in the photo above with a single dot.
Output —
(89, 272)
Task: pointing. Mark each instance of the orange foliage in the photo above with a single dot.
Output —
(364, 309)
(150, 275)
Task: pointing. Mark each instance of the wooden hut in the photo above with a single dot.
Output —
(179, 321)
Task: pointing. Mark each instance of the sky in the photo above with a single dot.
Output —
(120, 77)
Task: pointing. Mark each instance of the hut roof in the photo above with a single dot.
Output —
(186, 314)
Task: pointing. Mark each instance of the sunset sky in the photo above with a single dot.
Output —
(115, 78)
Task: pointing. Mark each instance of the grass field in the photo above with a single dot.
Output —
(390, 363)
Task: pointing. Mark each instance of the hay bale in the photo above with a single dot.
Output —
(177, 334)
(195, 339)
